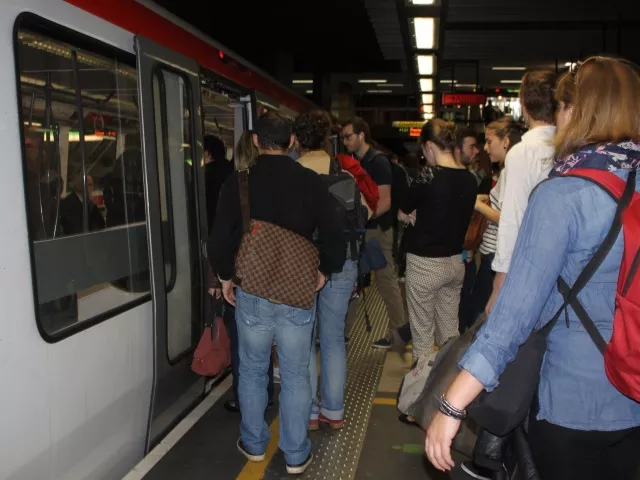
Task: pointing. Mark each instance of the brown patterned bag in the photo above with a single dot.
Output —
(273, 262)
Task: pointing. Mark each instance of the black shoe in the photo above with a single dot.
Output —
(232, 406)
(383, 344)
(301, 467)
(251, 457)
(473, 471)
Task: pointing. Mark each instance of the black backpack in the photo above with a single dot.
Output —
(344, 190)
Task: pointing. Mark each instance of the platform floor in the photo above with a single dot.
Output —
(373, 443)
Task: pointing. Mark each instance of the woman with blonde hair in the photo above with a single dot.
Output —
(581, 426)
(246, 152)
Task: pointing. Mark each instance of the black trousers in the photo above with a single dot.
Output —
(566, 454)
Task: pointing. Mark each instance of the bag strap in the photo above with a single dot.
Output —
(243, 190)
(570, 294)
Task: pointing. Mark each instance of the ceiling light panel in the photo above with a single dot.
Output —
(426, 98)
(425, 32)
(366, 80)
(301, 81)
(509, 68)
(426, 85)
(510, 81)
(425, 64)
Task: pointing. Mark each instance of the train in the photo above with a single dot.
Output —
(103, 262)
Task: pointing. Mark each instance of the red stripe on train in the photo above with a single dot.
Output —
(139, 20)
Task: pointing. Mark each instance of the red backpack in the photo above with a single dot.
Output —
(366, 185)
(622, 353)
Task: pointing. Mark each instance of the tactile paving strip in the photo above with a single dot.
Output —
(337, 454)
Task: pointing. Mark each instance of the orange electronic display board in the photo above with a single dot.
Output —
(463, 99)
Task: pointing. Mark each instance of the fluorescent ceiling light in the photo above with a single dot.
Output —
(425, 64)
(509, 68)
(371, 81)
(308, 92)
(379, 91)
(427, 98)
(425, 32)
(423, 2)
(426, 85)
(390, 85)
(465, 85)
(427, 116)
(33, 124)
(427, 108)
(448, 82)
(303, 81)
(510, 81)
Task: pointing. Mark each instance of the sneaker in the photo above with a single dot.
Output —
(276, 375)
(383, 344)
(334, 424)
(251, 457)
(473, 471)
(301, 467)
(314, 425)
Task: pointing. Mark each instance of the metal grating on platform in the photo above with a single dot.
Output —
(337, 455)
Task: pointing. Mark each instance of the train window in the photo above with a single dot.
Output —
(84, 182)
(176, 176)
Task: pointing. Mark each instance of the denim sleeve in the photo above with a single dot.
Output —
(540, 253)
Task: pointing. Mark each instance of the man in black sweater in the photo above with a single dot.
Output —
(284, 193)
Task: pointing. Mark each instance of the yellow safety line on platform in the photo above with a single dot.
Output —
(255, 470)
(384, 401)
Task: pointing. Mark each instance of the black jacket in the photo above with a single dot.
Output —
(286, 194)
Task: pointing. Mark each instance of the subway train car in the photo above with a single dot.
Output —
(102, 262)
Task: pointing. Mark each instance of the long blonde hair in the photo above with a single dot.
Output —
(605, 106)
(246, 152)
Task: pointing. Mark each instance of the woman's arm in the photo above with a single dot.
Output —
(486, 210)
(538, 259)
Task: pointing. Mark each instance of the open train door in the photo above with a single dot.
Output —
(169, 96)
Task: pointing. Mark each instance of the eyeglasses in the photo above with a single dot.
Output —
(347, 136)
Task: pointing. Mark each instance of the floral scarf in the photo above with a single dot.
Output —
(609, 156)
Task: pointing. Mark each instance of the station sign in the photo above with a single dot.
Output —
(463, 99)
(412, 128)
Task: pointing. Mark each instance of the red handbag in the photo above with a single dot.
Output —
(213, 354)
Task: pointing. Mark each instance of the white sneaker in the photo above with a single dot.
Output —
(300, 468)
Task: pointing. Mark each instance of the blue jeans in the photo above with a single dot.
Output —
(333, 303)
(259, 321)
(232, 328)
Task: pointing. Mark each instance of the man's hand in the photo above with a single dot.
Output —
(228, 292)
(322, 280)
(216, 293)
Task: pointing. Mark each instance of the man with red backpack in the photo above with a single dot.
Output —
(356, 137)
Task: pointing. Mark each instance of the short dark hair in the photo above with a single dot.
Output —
(312, 129)
(215, 147)
(360, 126)
(274, 131)
(537, 95)
(462, 133)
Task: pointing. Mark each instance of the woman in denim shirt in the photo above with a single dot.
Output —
(584, 428)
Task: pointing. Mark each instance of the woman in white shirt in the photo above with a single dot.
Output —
(500, 135)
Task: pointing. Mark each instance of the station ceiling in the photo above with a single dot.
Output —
(478, 44)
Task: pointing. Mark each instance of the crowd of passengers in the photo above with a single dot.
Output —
(581, 426)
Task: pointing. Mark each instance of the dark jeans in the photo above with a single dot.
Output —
(566, 454)
(465, 294)
(232, 328)
(480, 294)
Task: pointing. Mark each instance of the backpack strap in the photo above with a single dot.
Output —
(570, 294)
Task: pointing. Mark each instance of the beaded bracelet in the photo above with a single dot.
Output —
(450, 411)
